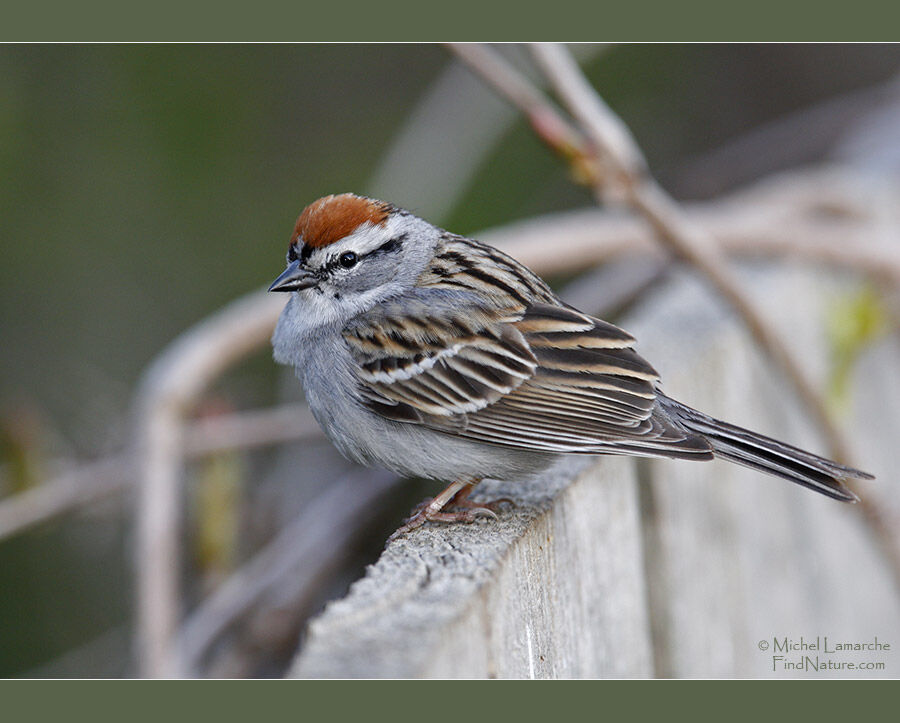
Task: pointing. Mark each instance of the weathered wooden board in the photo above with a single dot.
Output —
(737, 559)
(519, 597)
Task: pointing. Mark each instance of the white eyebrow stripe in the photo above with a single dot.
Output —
(365, 240)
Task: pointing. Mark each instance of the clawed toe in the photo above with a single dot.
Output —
(470, 514)
(411, 524)
(461, 509)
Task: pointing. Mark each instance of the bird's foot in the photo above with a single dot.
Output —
(425, 515)
(455, 498)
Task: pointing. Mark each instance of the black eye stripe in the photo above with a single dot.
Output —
(393, 244)
(343, 260)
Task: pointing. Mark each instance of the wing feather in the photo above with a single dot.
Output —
(442, 366)
(545, 378)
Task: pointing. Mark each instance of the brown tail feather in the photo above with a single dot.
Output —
(766, 454)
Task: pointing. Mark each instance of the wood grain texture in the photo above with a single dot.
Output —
(502, 599)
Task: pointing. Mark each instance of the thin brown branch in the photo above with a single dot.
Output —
(435, 153)
(546, 121)
(70, 490)
(614, 144)
(86, 483)
(779, 219)
(568, 141)
(245, 430)
(607, 135)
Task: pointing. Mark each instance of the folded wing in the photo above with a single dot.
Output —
(546, 378)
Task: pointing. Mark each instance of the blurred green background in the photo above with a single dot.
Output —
(143, 187)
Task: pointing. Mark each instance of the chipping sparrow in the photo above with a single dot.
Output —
(437, 356)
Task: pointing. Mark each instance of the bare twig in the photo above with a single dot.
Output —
(606, 134)
(813, 217)
(546, 121)
(433, 156)
(743, 224)
(614, 143)
(168, 390)
(86, 483)
(73, 488)
(244, 430)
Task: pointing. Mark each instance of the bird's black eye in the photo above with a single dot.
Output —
(348, 259)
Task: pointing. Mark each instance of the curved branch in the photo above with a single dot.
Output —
(612, 141)
(168, 389)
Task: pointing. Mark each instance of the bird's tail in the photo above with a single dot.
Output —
(767, 454)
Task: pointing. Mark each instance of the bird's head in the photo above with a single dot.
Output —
(347, 248)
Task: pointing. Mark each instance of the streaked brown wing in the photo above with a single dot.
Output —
(563, 382)
(591, 393)
(418, 365)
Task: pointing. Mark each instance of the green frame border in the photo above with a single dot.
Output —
(689, 20)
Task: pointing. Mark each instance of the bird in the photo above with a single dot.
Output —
(436, 356)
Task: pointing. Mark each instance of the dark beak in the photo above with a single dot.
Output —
(293, 278)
